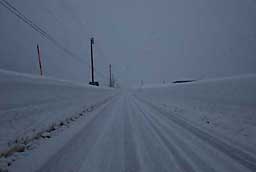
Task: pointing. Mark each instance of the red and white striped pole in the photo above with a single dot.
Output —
(39, 60)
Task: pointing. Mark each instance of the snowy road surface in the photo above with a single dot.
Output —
(128, 134)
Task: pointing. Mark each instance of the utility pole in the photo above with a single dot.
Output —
(92, 42)
(92, 65)
(110, 76)
(39, 60)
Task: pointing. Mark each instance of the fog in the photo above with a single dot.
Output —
(147, 40)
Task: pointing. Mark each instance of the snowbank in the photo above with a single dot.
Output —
(227, 105)
(30, 103)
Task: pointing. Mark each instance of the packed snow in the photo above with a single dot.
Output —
(129, 134)
(226, 106)
(29, 104)
(200, 126)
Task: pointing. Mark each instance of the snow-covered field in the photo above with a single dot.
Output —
(226, 106)
(30, 103)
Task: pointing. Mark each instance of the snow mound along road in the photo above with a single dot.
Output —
(30, 103)
(226, 106)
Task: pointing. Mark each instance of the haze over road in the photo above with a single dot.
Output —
(128, 134)
(127, 86)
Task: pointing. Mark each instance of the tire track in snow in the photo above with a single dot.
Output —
(240, 156)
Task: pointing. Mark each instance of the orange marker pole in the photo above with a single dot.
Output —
(39, 60)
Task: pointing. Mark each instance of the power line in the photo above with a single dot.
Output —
(42, 32)
(38, 29)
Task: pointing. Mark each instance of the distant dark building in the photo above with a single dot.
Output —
(182, 81)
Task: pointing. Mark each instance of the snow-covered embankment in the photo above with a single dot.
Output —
(29, 103)
(226, 106)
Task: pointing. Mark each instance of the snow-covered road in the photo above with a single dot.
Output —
(129, 134)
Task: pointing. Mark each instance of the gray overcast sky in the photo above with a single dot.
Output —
(149, 40)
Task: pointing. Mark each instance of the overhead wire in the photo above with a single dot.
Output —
(38, 29)
(10, 7)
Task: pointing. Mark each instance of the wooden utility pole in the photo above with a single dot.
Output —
(92, 42)
(110, 76)
(39, 60)
(92, 65)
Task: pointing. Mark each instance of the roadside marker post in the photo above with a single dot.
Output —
(39, 60)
